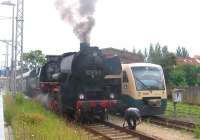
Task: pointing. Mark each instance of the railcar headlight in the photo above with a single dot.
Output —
(81, 96)
(112, 96)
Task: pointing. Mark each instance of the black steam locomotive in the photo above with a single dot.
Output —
(75, 82)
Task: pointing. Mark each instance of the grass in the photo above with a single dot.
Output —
(185, 111)
(29, 120)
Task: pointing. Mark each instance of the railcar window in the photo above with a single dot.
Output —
(148, 78)
(125, 78)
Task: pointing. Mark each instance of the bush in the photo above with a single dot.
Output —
(177, 78)
(9, 109)
(184, 75)
(31, 118)
(19, 98)
(197, 132)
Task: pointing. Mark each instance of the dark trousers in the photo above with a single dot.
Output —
(131, 123)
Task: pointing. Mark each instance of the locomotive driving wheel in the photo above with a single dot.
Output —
(60, 105)
(104, 115)
(77, 115)
(53, 103)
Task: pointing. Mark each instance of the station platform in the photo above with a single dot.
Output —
(2, 135)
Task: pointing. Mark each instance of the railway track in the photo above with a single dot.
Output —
(109, 131)
(173, 123)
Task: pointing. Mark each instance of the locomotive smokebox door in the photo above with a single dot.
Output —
(177, 97)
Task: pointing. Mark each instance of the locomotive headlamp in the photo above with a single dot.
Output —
(81, 96)
(112, 96)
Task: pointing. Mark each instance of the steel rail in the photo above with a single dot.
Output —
(172, 123)
(109, 131)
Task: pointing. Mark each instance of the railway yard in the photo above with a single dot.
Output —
(86, 90)
(87, 85)
(132, 78)
(165, 131)
(154, 128)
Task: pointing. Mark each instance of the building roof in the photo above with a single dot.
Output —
(124, 55)
(188, 60)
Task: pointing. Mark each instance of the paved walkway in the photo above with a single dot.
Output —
(2, 137)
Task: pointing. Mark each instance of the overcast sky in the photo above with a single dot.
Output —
(119, 24)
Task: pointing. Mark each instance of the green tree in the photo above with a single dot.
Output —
(179, 51)
(140, 54)
(186, 74)
(33, 59)
(177, 78)
(182, 52)
(191, 74)
(161, 56)
(145, 55)
(134, 50)
(151, 54)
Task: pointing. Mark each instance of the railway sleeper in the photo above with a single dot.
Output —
(110, 131)
(172, 125)
(106, 127)
(126, 138)
(99, 127)
(97, 138)
(122, 137)
(136, 138)
(116, 134)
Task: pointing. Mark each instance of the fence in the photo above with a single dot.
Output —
(191, 95)
(4, 83)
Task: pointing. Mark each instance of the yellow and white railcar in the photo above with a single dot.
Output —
(143, 86)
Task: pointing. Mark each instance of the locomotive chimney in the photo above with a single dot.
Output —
(84, 45)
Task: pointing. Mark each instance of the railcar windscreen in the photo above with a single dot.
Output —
(148, 78)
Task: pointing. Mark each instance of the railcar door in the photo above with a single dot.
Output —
(125, 83)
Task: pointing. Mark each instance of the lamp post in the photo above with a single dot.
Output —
(13, 68)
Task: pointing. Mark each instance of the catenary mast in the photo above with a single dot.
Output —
(19, 43)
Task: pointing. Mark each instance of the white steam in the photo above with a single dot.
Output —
(79, 14)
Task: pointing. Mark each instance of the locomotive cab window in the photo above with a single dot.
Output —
(125, 78)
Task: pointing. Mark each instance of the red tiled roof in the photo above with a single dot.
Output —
(197, 56)
(188, 60)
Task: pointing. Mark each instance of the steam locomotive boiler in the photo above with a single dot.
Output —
(75, 82)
